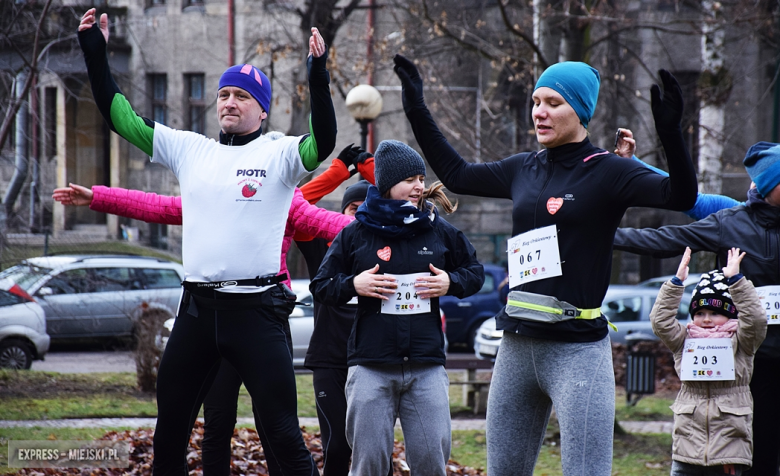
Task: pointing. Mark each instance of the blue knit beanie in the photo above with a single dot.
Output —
(394, 162)
(577, 82)
(762, 162)
(251, 80)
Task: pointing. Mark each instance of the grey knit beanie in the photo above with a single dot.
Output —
(394, 162)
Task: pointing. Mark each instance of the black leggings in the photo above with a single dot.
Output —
(250, 336)
(332, 413)
(765, 387)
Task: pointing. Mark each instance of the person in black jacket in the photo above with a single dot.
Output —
(581, 192)
(398, 257)
(755, 228)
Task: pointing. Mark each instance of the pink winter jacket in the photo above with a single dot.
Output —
(166, 210)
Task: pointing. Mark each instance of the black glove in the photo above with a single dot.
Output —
(348, 154)
(362, 157)
(412, 83)
(667, 111)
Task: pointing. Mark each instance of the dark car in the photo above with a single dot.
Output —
(464, 316)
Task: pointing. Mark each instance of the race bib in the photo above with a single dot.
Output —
(405, 299)
(707, 359)
(770, 301)
(533, 255)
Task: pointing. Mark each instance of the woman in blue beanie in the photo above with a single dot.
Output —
(555, 349)
(398, 257)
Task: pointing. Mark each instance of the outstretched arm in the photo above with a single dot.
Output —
(459, 176)
(135, 204)
(111, 103)
(668, 241)
(318, 145)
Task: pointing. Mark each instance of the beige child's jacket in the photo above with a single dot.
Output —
(713, 420)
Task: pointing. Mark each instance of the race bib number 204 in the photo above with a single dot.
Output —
(405, 299)
(533, 255)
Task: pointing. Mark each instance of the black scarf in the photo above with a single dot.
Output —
(396, 219)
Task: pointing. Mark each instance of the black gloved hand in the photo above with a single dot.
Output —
(362, 157)
(412, 83)
(667, 111)
(348, 154)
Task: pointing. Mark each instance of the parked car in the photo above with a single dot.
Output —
(628, 307)
(301, 323)
(23, 335)
(690, 283)
(464, 316)
(88, 296)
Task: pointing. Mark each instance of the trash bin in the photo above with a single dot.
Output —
(640, 369)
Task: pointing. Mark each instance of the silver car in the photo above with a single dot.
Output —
(95, 296)
(23, 335)
(628, 307)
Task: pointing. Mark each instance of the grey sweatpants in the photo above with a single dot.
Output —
(415, 393)
(532, 375)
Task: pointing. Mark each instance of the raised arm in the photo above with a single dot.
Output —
(667, 112)
(111, 103)
(663, 316)
(319, 143)
(486, 180)
(338, 172)
(751, 315)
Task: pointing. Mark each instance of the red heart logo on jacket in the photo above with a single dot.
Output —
(554, 204)
(384, 253)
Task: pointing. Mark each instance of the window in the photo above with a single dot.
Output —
(50, 122)
(73, 281)
(160, 278)
(113, 279)
(196, 105)
(488, 286)
(623, 310)
(158, 85)
(8, 299)
(192, 3)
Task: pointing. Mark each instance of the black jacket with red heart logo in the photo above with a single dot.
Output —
(378, 338)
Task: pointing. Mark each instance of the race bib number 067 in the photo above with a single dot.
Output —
(533, 255)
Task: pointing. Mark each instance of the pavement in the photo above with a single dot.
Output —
(122, 361)
(640, 427)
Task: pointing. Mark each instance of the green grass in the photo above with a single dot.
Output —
(649, 408)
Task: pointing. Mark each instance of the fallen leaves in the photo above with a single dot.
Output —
(248, 457)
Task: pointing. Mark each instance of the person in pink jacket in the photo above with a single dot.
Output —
(305, 221)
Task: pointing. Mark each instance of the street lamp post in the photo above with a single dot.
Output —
(364, 103)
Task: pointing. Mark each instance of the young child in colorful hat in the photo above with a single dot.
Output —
(713, 355)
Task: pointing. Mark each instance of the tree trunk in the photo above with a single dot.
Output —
(715, 86)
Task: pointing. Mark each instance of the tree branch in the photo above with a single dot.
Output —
(5, 128)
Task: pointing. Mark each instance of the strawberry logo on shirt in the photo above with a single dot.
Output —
(248, 190)
(249, 187)
(554, 204)
(384, 253)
